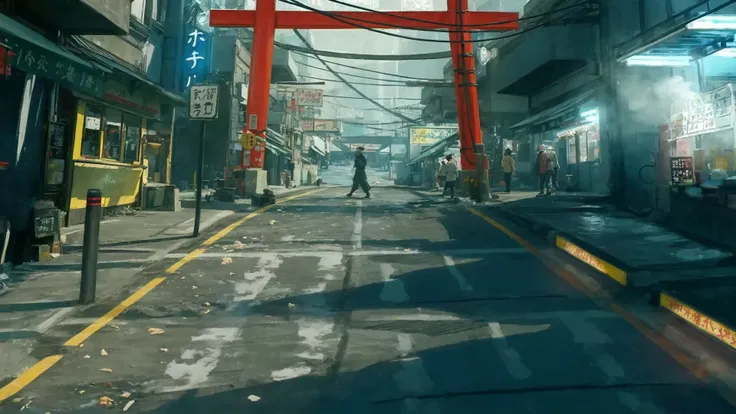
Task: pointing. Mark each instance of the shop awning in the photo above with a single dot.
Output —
(272, 135)
(437, 149)
(316, 149)
(276, 148)
(555, 111)
(31, 52)
(102, 57)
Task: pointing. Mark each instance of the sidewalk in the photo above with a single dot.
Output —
(694, 281)
(41, 295)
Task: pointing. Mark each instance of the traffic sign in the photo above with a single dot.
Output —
(203, 102)
(248, 140)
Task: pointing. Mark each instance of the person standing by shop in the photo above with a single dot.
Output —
(542, 168)
(554, 166)
(360, 179)
(442, 176)
(509, 166)
(450, 177)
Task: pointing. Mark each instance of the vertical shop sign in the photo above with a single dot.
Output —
(681, 169)
(196, 64)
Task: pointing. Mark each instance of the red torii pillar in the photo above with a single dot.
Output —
(265, 19)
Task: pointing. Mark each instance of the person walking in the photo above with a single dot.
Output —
(542, 168)
(360, 179)
(442, 176)
(450, 176)
(509, 166)
(554, 166)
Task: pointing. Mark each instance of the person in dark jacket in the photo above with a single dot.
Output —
(360, 179)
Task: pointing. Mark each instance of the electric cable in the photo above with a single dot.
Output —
(344, 19)
(349, 85)
(369, 77)
(370, 70)
(361, 56)
(354, 83)
(415, 19)
(377, 99)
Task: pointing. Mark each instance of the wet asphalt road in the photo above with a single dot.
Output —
(397, 304)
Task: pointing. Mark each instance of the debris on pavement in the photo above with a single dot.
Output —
(232, 273)
(115, 327)
(86, 357)
(164, 349)
(206, 311)
(238, 245)
(194, 287)
(19, 399)
(291, 305)
(226, 260)
(272, 222)
(155, 331)
(128, 405)
(125, 395)
(27, 405)
(106, 370)
(82, 392)
(103, 353)
(206, 304)
(106, 401)
(253, 398)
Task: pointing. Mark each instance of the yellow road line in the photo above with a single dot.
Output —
(79, 338)
(591, 260)
(687, 361)
(28, 376)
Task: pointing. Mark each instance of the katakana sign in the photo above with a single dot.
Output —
(203, 102)
(196, 64)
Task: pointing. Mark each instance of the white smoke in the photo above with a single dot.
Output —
(650, 102)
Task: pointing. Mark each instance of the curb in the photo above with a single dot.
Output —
(593, 257)
(699, 320)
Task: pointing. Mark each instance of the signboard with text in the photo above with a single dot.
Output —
(324, 125)
(702, 114)
(368, 147)
(429, 135)
(203, 102)
(681, 169)
(196, 64)
(309, 98)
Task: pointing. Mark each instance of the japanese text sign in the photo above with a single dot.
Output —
(196, 64)
(39, 61)
(309, 97)
(705, 113)
(700, 320)
(681, 169)
(203, 101)
(429, 135)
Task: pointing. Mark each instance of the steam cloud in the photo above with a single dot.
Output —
(650, 103)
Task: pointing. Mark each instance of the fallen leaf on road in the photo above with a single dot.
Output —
(82, 392)
(226, 260)
(291, 305)
(86, 357)
(103, 353)
(206, 311)
(115, 327)
(206, 304)
(125, 395)
(238, 245)
(272, 222)
(183, 277)
(194, 287)
(232, 273)
(19, 399)
(106, 401)
(155, 331)
(196, 296)
(106, 370)
(254, 398)
(164, 349)
(128, 405)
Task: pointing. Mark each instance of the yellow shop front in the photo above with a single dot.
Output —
(111, 150)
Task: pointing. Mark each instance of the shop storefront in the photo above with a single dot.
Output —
(121, 139)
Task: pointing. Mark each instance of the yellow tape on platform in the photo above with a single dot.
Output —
(591, 260)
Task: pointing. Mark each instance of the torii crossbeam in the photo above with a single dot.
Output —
(265, 20)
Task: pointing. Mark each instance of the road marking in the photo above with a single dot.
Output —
(393, 289)
(323, 253)
(591, 260)
(511, 359)
(79, 338)
(688, 362)
(207, 223)
(412, 378)
(464, 285)
(358, 227)
(29, 375)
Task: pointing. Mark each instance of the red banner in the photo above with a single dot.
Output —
(5, 66)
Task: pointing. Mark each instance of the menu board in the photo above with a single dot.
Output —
(681, 170)
(701, 114)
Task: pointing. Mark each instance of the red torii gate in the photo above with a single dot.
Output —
(265, 20)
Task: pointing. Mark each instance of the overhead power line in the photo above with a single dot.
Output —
(347, 20)
(349, 85)
(366, 98)
(354, 83)
(399, 82)
(371, 70)
(361, 56)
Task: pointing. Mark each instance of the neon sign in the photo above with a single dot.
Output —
(196, 63)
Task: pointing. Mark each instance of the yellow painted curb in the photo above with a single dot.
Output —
(591, 260)
(703, 322)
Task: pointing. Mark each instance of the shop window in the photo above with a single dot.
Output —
(138, 9)
(571, 151)
(92, 131)
(593, 146)
(132, 138)
(113, 130)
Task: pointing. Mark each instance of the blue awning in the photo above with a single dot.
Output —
(556, 111)
(437, 149)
